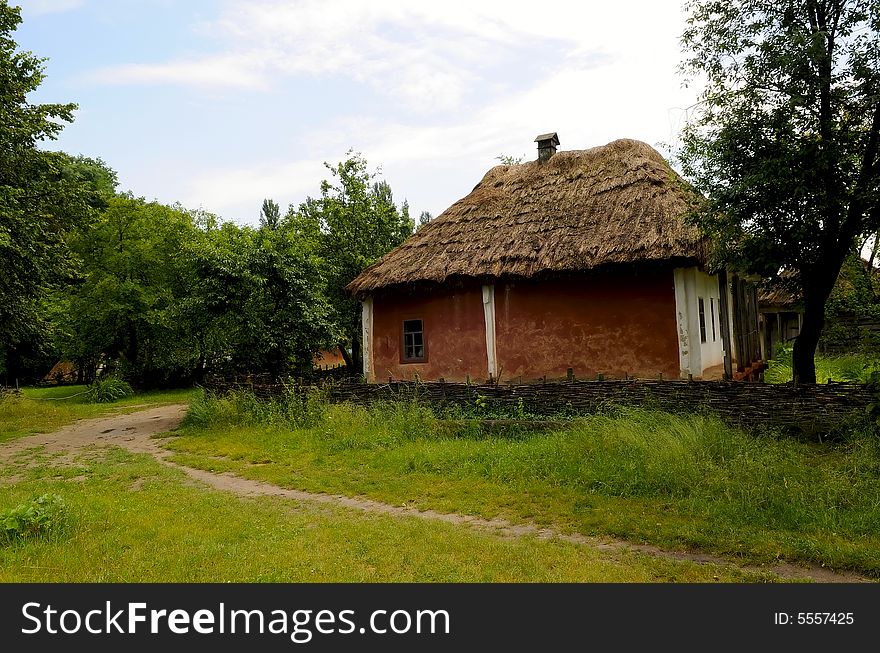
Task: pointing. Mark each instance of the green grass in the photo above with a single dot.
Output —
(130, 519)
(687, 482)
(40, 410)
(850, 367)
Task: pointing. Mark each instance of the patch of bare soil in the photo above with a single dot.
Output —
(134, 431)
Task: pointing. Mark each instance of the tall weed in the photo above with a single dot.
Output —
(296, 408)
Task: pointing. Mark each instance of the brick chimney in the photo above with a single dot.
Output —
(546, 145)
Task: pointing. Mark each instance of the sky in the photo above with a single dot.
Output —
(217, 104)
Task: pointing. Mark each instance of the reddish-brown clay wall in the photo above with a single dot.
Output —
(615, 324)
(455, 334)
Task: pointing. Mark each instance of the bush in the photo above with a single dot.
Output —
(38, 517)
(108, 390)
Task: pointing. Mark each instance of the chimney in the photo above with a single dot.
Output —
(546, 146)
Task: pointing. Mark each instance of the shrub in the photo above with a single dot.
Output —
(38, 517)
(108, 390)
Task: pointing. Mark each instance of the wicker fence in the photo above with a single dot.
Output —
(809, 409)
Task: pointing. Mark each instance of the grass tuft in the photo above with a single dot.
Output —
(108, 390)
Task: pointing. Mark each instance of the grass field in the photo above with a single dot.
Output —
(130, 519)
(848, 367)
(40, 410)
(688, 482)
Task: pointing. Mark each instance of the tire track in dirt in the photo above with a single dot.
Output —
(134, 432)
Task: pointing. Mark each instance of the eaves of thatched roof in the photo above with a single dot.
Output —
(581, 209)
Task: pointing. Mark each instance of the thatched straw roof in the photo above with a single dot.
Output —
(581, 209)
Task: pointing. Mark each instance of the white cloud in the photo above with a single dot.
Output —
(227, 71)
(429, 56)
(41, 7)
(239, 192)
(464, 82)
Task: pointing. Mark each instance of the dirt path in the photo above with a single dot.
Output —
(134, 431)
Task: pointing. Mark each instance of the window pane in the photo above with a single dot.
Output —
(413, 340)
(712, 313)
(702, 305)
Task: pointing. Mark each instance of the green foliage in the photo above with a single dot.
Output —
(297, 408)
(256, 300)
(856, 297)
(854, 368)
(784, 142)
(424, 218)
(126, 304)
(39, 517)
(165, 294)
(351, 225)
(873, 409)
(44, 197)
(107, 390)
(270, 215)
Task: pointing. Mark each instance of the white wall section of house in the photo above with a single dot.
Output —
(711, 351)
(367, 337)
(695, 356)
(489, 315)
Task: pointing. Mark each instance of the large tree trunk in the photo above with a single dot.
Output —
(354, 361)
(803, 357)
(817, 287)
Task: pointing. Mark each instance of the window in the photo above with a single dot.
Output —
(712, 313)
(702, 319)
(413, 341)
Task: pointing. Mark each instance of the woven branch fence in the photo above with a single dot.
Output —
(808, 409)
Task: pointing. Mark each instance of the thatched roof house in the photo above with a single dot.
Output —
(580, 260)
(579, 210)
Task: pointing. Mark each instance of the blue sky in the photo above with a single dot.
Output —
(220, 103)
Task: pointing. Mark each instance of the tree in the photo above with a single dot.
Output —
(270, 215)
(353, 224)
(126, 304)
(785, 140)
(40, 201)
(424, 218)
(257, 301)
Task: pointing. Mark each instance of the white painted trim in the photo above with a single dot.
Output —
(367, 337)
(489, 315)
(681, 321)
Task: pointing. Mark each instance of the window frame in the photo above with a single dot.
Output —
(403, 333)
(701, 310)
(712, 313)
